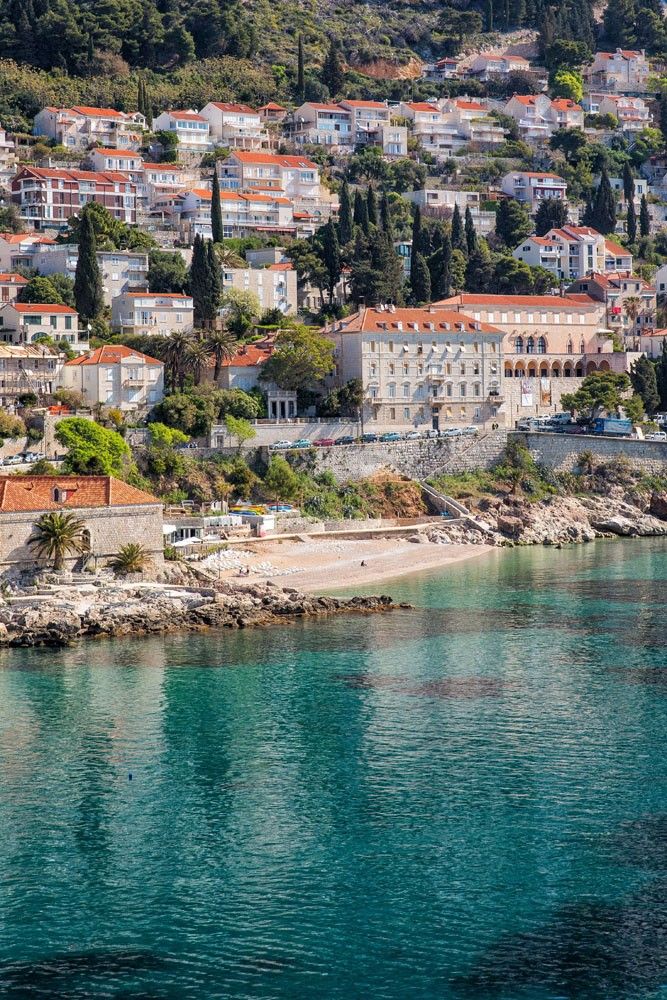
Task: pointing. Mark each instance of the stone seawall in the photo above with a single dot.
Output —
(416, 459)
(561, 452)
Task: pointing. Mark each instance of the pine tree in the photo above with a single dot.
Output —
(420, 280)
(631, 222)
(88, 289)
(628, 182)
(457, 235)
(361, 212)
(345, 221)
(645, 383)
(371, 206)
(333, 76)
(300, 78)
(512, 222)
(385, 215)
(471, 235)
(216, 209)
(644, 218)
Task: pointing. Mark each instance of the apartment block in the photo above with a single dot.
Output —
(121, 270)
(115, 375)
(29, 322)
(236, 126)
(191, 129)
(152, 313)
(48, 198)
(532, 187)
(79, 128)
(26, 368)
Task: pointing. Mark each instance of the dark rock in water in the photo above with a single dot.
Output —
(642, 842)
(650, 676)
(588, 951)
(54, 975)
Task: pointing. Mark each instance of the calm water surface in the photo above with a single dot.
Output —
(465, 801)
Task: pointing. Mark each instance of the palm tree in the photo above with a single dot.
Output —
(56, 535)
(173, 355)
(196, 359)
(223, 347)
(229, 258)
(131, 558)
(631, 305)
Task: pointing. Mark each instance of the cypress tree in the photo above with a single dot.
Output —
(88, 290)
(489, 15)
(214, 281)
(471, 235)
(644, 218)
(361, 212)
(416, 239)
(387, 263)
(645, 384)
(331, 258)
(345, 222)
(385, 215)
(216, 209)
(628, 182)
(300, 78)
(601, 210)
(631, 222)
(371, 206)
(439, 265)
(661, 375)
(479, 270)
(420, 280)
(332, 69)
(458, 235)
(198, 280)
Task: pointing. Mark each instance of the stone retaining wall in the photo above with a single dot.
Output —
(415, 459)
(561, 451)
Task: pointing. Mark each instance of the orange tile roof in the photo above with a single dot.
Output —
(13, 279)
(110, 354)
(287, 266)
(471, 299)
(234, 108)
(248, 357)
(186, 116)
(526, 99)
(422, 106)
(108, 151)
(35, 493)
(365, 104)
(279, 161)
(565, 104)
(20, 237)
(42, 307)
(372, 319)
(617, 249)
(323, 107)
(469, 105)
(82, 109)
(110, 176)
(272, 106)
(174, 168)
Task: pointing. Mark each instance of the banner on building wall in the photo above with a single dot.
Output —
(526, 392)
(545, 391)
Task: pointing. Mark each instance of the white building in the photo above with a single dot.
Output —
(488, 65)
(28, 322)
(242, 214)
(191, 129)
(152, 313)
(622, 71)
(538, 117)
(121, 270)
(573, 252)
(532, 187)
(632, 112)
(115, 375)
(420, 367)
(440, 203)
(17, 249)
(79, 128)
(274, 285)
(236, 126)
(26, 368)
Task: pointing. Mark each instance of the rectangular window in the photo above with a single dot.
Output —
(406, 413)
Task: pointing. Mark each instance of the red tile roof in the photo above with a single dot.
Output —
(272, 106)
(471, 299)
(422, 106)
(186, 116)
(82, 109)
(565, 104)
(278, 161)
(110, 176)
(365, 104)
(617, 249)
(110, 354)
(469, 105)
(36, 493)
(375, 319)
(238, 109)
(248, 357)
(13, 279)
(42, 307)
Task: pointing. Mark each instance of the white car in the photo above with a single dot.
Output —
(281, 444)
(657, 436)
(413, 436)
(452, 432)
(469, 430)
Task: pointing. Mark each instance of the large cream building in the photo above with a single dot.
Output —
(420, 367)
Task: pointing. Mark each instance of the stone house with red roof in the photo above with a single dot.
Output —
(113, 514)
(622, 71)
(29, 322)
(82, 127)
(115, 375)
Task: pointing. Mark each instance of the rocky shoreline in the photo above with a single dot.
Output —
(556, 520)
(60, 613)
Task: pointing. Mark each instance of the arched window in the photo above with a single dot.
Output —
(570, 347)
(518, 345)
(541, 345)
(582, 348)
(544, 371)
(567, 371)
(530, 345)
(508, 371)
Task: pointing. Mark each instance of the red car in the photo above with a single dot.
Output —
(324, 443)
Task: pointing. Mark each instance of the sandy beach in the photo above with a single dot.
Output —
(325, 563)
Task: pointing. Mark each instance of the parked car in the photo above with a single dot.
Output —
(369, 438)
(281, 444)
(14, 460)
(432, 433)
(470, 430)
(452, 432)
(302, 443)
(413, 436)
(390, 436)
(657, 436)
(31, 456)
(324, 443)
(345, 439)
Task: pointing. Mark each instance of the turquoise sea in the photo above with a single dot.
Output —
(467, 801)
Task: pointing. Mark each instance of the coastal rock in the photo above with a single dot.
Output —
(658, 505)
